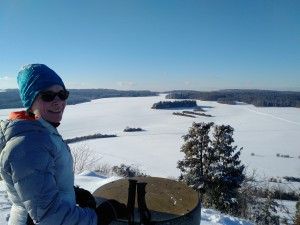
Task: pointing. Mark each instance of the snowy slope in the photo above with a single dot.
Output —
(91, 182)
(155, 151)
(262, 131)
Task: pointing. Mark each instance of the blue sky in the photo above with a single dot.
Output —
(156, 45)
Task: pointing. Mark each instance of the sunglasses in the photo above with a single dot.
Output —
(49, 96)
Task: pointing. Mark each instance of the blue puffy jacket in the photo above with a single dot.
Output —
(37, 167)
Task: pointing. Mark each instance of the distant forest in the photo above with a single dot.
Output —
(11, 98)
(175, 104)
(258, 98)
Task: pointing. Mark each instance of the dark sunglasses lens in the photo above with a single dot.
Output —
(50, 96)
(63, 95)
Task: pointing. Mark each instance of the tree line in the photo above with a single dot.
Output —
(88, 137)
(11, 97)
(258, 98)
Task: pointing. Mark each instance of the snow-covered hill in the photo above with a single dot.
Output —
(262, 132)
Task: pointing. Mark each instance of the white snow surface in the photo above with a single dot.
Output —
(262, 132)
(90, 181)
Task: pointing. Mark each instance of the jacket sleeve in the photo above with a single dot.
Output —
(32, 170)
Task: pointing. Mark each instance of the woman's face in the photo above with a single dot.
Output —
(51, 111)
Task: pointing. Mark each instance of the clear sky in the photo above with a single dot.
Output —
(156, 45)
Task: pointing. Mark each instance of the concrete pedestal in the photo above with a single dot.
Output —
(170, 202)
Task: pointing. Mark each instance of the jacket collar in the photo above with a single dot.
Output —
(21, 115)
(25, 115)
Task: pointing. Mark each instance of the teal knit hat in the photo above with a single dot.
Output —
(34, 78)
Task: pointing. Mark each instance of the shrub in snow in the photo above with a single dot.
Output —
(127, 171)
(103, 169)
(297, 217)
(264, 212)
(130, 129)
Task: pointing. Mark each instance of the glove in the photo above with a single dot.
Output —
(84, 198)
(109, 211)
(29, 221)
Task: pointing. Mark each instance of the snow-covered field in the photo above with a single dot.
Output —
(262, 132)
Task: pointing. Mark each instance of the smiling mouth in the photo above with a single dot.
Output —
(55, 111)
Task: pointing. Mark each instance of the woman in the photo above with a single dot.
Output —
(35, 163)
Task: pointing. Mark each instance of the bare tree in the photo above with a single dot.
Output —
(83, 158)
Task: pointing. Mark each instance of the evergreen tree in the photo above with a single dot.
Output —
(226, 172)
(212, 166)
(196, 149)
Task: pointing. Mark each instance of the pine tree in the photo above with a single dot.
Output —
(195, 149)
(212, 166)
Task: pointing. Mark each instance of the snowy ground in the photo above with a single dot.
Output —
(262, 132)
(91, 182)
